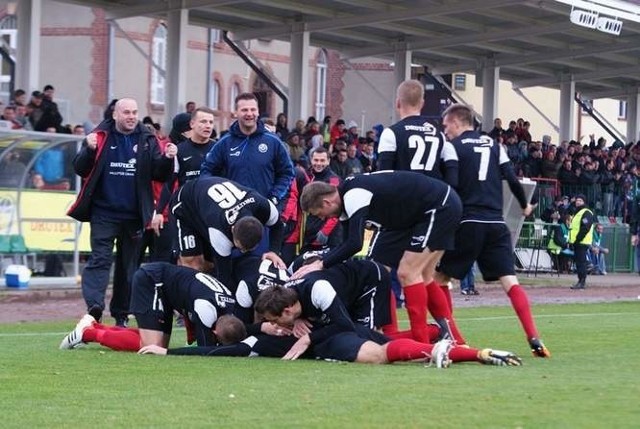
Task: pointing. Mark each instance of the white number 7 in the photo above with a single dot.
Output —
(484, 152)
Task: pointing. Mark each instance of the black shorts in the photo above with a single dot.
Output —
(372, 309)
(437, 232)
(487, 243)
(148, 306)
(346, 345)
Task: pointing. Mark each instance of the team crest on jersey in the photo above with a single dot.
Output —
(263, 148)
(135, 148)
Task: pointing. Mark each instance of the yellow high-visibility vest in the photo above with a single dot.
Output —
(575, 227)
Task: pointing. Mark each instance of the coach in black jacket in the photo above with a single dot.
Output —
(118, 161)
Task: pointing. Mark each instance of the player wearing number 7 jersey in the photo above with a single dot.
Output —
(483, 235)
(215, 215)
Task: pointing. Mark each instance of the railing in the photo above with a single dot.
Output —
(616, 237)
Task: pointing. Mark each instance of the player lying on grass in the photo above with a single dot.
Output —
(333, 335)
(158, 289)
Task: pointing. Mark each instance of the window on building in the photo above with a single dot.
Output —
(9, 41)
(159, 66)
(321, 85)
(460, 82)
(214, 102)
(215, 35)
(622, 109)
(235, 91)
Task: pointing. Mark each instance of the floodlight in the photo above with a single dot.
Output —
(609, 25)
(584, 18)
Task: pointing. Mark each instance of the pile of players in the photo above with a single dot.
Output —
(437, 212)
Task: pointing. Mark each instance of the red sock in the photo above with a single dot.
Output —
(415, 298)
(406, 349)
(463, 354)
(119, 340)
(447, 294)
(520, 304)
(440, 308)
(392, 327)
(89, 335)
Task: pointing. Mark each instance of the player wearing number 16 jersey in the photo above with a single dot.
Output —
(483, 235)
(215, 215)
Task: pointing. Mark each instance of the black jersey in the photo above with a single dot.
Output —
(212, 205)
(198, 296)
(393, 200)
(416, 145)
(189, 159)
(333, 299)
(483, 163)
(252, 275)
(322, 307)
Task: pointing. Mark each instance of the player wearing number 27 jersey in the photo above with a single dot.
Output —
(414, 144)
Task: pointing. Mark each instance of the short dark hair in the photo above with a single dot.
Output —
(248, 231)
(319, 149)
(230, 329)
(203, 109)
(313, 193)
(245, 96)
(273, 300)
(460, 112)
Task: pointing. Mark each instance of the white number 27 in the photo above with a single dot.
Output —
(419, 144)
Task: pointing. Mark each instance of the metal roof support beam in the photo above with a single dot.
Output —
(401, 71)
(444, 42)
(160, 8)
(490, 85)
(176, 80)
(29, 16)
(594, 75)
(299, 77)
(633, 117)
(567, 109)
(373, 18)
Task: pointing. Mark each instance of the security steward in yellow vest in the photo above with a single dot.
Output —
(580, 237)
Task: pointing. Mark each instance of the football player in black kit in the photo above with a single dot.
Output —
(414, 144)
(426, 210)
(191, 153)
(322, 324)
(215, 215)
(158, 289)
(483, 235)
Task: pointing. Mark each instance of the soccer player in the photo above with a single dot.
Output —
(426, 210)
(414, 144)
(483, 235)
(217, 214)
(159, 288)
(335, 336)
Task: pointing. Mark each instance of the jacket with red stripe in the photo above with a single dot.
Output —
(315, 224)
(151, 164)
(292, 214)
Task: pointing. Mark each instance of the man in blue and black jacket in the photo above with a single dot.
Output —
(117, 162)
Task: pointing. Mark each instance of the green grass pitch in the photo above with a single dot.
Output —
(592, 381)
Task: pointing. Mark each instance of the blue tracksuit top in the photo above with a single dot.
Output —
(259, 161)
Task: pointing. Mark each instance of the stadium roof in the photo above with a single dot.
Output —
(533, 42)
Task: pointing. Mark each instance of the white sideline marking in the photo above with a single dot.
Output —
(470, 319)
